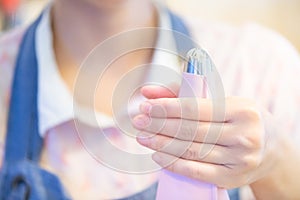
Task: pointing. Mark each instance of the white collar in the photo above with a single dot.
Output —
(55, 101)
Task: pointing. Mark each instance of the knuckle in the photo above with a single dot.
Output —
(186, 169)
(181, 169)
(190, 154)
(240, 140)
(249, 113)
(250, 162)
(238, 174)
(188, 131)
(249, 141)
(171, 167)
(157, 143)
(189, 109)
(196, 172)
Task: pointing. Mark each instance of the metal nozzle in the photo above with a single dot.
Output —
(198, 63)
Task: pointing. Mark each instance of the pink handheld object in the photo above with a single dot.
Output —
(174, 186)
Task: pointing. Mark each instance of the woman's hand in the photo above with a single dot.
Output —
(238, 150)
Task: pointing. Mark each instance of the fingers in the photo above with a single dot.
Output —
(198, 109)
(187, 130)
(154, 92)
(207, 172)
(186, 108)
(209, 153)
(217, 141)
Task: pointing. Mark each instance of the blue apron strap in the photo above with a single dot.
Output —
(181, 32)
(20, 175)
(179, 25)
(22, 139)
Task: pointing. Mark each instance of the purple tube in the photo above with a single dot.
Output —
(174, 186)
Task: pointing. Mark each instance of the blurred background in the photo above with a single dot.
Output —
(282, 16)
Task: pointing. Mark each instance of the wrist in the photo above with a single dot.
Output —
(281, 180)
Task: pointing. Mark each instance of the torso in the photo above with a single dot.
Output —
(84, 176)
(63, 154)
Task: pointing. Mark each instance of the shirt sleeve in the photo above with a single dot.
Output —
(283, 99)
(258, 63)
(273, 68)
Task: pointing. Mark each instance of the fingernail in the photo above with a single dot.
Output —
(141, 121)
(143, 139)
(145, 136)
(145, 107)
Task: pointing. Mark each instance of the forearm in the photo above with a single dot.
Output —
(283, 180)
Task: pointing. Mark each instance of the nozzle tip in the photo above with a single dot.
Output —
(199, 62)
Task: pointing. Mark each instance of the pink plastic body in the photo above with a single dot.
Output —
(175, 186)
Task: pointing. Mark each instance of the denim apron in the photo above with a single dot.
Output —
(20, 176)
